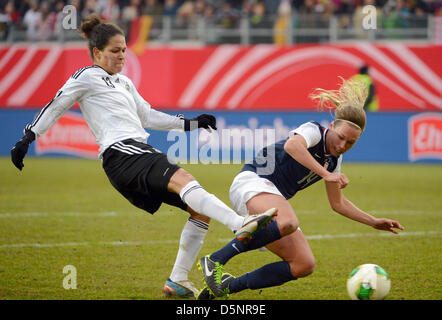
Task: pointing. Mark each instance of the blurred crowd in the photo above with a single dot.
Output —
(41, 19)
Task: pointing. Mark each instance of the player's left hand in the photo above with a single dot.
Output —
(205, 121)
(387, 225)
(20, 149)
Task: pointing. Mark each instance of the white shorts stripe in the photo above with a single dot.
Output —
(122, 150)
(130, 147)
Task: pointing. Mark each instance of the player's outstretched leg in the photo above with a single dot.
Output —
(191, 241)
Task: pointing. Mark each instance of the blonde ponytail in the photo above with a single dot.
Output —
(347, 102)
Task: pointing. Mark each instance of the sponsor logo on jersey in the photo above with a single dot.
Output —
(425, 136)
(70, 135)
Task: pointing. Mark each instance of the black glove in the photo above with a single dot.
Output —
(21, 148)
(205, 121)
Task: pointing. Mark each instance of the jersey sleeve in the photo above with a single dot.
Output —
(72, 91)
(338, 166)
(153, 119)
(310, 132)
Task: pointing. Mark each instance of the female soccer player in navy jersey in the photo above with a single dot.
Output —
(309, 154)
(117, 116)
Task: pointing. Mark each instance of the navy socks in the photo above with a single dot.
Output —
(270, 275)
(261, 238)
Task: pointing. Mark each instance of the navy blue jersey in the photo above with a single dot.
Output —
(288, 175)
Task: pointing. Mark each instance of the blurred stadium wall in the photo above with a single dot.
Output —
(246, 86)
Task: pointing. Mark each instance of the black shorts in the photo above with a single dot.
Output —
(141, 174)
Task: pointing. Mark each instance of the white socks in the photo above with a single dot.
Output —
(191, 241)
(209, 205)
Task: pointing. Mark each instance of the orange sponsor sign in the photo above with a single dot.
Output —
(70, 135)
(425, 136)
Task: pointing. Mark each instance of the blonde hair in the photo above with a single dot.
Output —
(347, 102)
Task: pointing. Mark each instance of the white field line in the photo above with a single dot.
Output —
(59, 214)
(175, 242)
(114, 214)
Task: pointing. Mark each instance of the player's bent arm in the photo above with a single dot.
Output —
(343, 206)
(161, 121)
(296, 147)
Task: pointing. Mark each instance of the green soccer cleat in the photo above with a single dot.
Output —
(214, 278)
(206, 293)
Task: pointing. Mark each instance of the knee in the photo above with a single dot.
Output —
(288, 226)
(303, 269)
(179, 180)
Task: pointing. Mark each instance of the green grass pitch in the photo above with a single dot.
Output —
(59, 212)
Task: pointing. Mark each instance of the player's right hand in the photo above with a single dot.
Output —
(20, 149)
(338, 178)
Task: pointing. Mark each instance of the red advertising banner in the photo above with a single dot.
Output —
(69, 135)
(425, 136)
(234, 77)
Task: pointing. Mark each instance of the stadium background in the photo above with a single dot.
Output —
(259, 64)
(252, 71)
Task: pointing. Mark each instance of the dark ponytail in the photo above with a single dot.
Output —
(98, 32)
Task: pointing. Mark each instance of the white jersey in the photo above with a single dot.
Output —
(111, 105)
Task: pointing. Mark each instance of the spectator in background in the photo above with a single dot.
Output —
(282, 23)
(77, 6)
(170, 8)
(129, 14)
(247, 8)
(272, 6)
(32, 20)
(111, 11)
(59, 16)
(258, 20)
(227, 16)
(185, 14)
(358, 18)
(310, 17)
(24, 6)
(47, 23)
(210, 22)
(154, 9)
(52, 5)
(372, 102)
(345, 11)
(8, 17)
(200, 7)
(90, 6)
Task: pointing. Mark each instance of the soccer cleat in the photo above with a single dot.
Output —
(212, 272)
(206, 293)
(253, 223)
(180, 289)
(226, 279)
(216, 281)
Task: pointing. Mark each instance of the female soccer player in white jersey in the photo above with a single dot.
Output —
(117, 116)
(311, 153)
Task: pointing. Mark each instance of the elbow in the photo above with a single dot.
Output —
(290, 145)
(336, 206)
